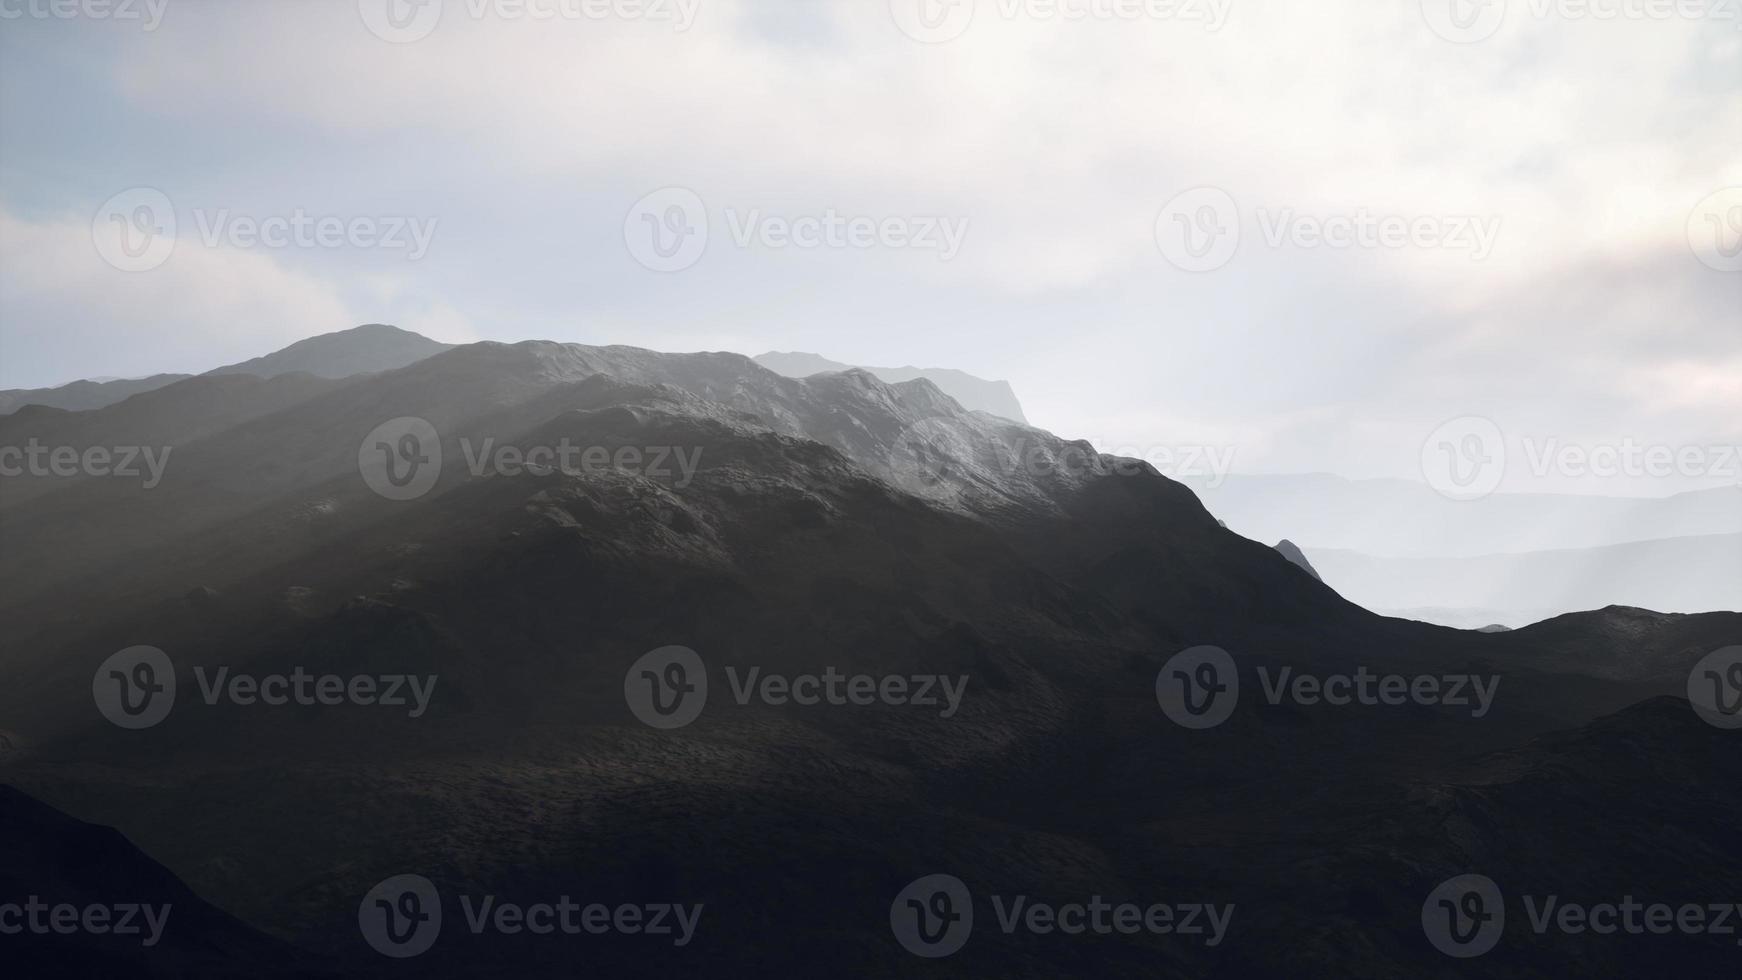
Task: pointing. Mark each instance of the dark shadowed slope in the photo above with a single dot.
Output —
(837, 522)
(49, 857)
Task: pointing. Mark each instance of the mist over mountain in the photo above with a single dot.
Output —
(1398, 518)
(974, 394)
(366, 349)
(788, 526)
(1673, 575)
(1288, 549)
(81, 396)
(359, 350)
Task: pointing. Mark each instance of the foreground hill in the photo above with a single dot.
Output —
(836, 523)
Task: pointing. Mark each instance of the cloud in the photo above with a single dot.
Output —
(1587, 141)
(201, 308)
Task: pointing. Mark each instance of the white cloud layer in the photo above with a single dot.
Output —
(1584, 144)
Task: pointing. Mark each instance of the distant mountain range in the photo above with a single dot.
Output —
(360, 350)
(836, 522)
(1401, 549)
(1288, 549)
(82, 396)
(1689, 574)
(1390, 545)
(1400, 518)
(973, 394)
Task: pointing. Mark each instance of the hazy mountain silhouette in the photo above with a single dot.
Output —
(1400, 518)
(1288, 549)
(1691, 574)
(974, 394)
(80, 396)
(359, 350)
(834, 521)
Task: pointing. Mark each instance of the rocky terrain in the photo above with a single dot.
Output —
(837, 522)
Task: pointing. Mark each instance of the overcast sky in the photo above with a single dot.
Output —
(1124, 213)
